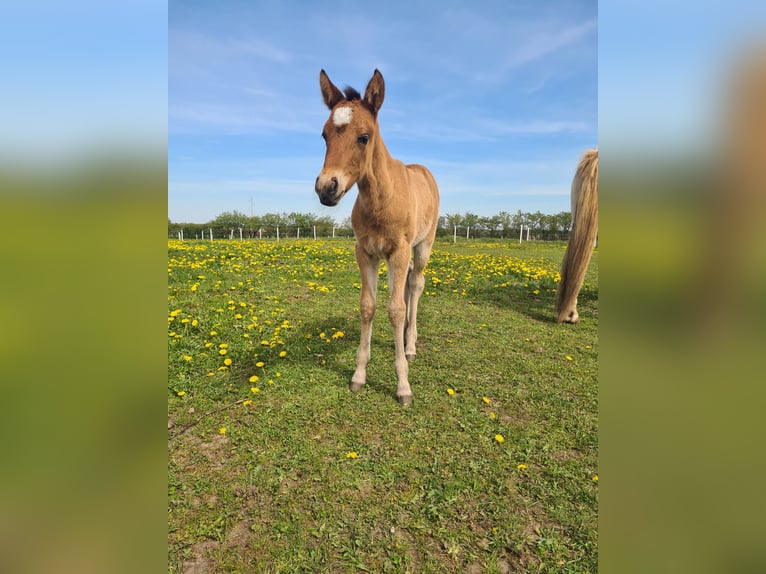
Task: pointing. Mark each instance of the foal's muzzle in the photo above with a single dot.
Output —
(328, 190)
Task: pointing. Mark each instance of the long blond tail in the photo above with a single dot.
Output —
(582, 238)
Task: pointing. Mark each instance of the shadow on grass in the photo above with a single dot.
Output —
(541, 307)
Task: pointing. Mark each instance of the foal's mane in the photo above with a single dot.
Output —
(351, 94)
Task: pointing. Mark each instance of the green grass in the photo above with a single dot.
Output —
(431, 488)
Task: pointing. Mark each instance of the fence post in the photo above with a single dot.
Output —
(211, 234)
(454, 235)
(277, 232)
(315, 233)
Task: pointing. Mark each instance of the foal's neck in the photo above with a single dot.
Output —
(374, 185)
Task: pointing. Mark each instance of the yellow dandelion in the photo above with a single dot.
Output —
(224, 345)
(485, 399)
(255, 390)
(521, 466)
(338, 334)
(595, 478)
(500, 438)
(492, 415)
(222, 430)
(187, 358)
(450, 391)
(260, 364)
(568, 358)
(351, 454)
(277, 374)
(254, 379)
(283, 353)
(222, 351)
(271, 381)
(213, 333)
(227, 362)
(247, 403)
(181, 393)
(195, 323)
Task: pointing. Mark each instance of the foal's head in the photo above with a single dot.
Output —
(350, 134)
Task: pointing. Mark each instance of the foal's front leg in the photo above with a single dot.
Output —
(368, 270)
(398, 266)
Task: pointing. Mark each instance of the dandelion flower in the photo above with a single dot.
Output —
(283, 353)
(222, 430)
(568, 358)
(500, 438)
(521, 466)
(351, 454)
(254, 379)
(187, 358)
(247, 403)
(222, 351)
(338, 334)
(492, 415)
(450, 391)
(595, 478)
(255, 390)
(260, 364)
(181, 393)
(485, 399)
(227, 362)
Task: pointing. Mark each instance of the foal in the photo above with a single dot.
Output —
(394, 217)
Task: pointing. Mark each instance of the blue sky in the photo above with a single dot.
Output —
(498, 98)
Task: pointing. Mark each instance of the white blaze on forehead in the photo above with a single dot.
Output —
(341, 116)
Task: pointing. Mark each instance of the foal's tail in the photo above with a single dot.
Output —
(582, 238)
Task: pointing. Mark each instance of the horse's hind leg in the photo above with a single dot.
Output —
(368, 269)
(415, 285)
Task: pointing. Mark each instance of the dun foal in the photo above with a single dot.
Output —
(582, 238)
(394, 217)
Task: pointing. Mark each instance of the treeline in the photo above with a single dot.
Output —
(234, 224)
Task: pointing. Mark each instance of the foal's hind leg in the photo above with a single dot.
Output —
(415, 285)
(368, 269)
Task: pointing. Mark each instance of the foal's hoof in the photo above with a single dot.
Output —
(405, 400)
(410, 356)
(355, 387)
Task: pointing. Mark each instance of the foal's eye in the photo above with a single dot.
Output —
(363, 139)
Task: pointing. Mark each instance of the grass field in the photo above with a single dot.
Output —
(275, 466)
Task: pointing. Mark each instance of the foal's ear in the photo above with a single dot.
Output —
(373, 95)
(330, 93)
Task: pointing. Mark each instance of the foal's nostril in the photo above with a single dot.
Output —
(334, 184)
